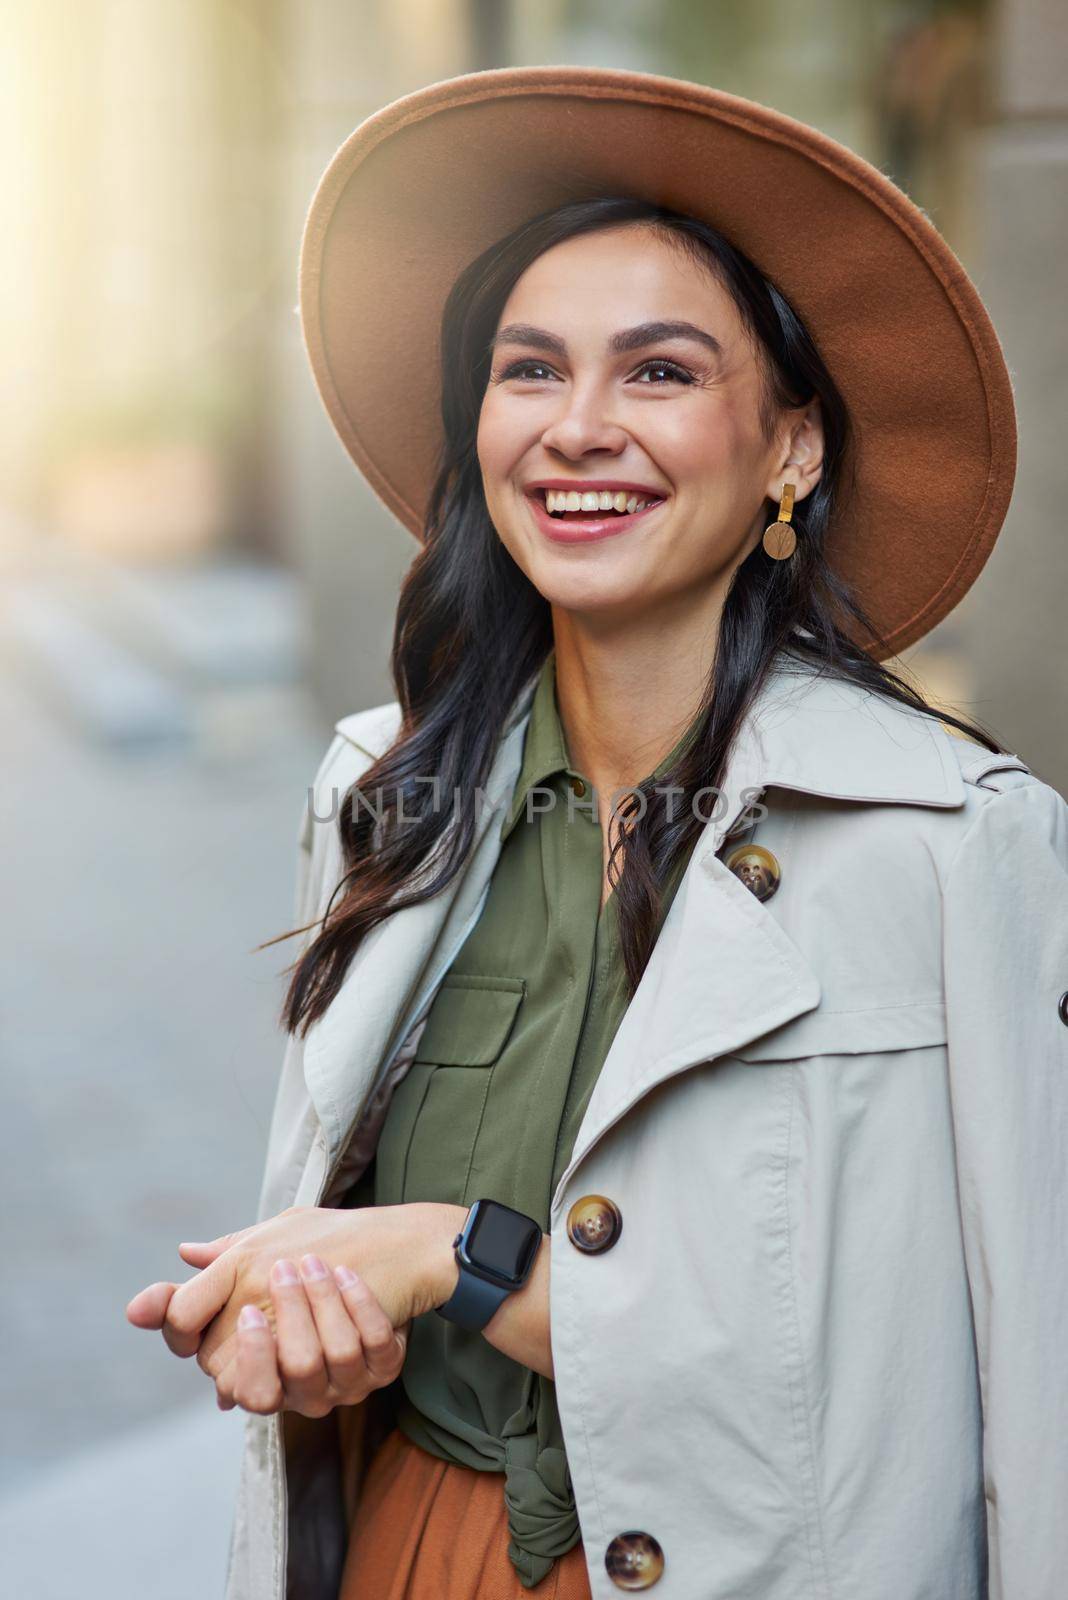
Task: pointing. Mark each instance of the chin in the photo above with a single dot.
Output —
(591, 592)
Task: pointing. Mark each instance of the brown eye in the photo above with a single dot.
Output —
(521, 369)
(673, 372)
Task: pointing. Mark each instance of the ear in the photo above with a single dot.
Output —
(799, 459)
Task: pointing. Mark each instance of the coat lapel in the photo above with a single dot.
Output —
(724, 971)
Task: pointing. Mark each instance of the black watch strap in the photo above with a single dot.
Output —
(473, 1301)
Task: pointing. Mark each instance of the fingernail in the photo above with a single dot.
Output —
(251, 1317)
(312, 1268)
(345, 1277)
(284, 1274)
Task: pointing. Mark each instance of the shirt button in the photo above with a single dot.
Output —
(1062, 1008)
(756, 867)
(634, 1560)
(594, 1224)
(578, 787)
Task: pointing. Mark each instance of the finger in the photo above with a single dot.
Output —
(224, 1383)
(213, 1360)
(383, 1345)
(195, 1303)
(204, 1253)
(148, 1308)
(257, 1386)
(339, 1336)
(222, 1327)
(300, 1354)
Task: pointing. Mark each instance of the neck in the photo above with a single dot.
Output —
(627, 692)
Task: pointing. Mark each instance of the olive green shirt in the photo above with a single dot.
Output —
(490, 1107)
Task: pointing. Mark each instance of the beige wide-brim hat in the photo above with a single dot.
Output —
(426, 184)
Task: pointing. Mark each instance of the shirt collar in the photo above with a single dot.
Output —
(544, 748)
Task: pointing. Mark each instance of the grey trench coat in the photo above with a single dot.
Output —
(826, 1358)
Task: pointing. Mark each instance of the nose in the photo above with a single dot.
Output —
(583, 425)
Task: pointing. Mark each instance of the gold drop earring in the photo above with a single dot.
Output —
(780, 539)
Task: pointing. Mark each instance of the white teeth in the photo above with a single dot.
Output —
(557, 500)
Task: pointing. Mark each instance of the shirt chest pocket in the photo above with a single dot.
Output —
(427, 1143)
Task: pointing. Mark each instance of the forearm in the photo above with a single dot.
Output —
(520, 1326)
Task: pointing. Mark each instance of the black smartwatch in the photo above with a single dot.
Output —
(495, 1250)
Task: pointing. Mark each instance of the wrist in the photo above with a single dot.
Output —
(437, 1229)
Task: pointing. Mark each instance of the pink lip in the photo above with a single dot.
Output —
(586, 531)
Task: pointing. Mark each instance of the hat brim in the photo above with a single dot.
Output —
(423, 186)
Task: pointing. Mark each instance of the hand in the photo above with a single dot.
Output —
(334, 1344)
(404, 1254)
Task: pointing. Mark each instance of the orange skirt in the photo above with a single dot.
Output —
(427, 1529)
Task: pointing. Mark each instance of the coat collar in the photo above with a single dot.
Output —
(804, 730)
(825, 736)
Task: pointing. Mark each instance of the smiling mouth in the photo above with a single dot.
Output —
(593, 506)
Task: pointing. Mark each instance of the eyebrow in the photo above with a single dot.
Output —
(628, 339)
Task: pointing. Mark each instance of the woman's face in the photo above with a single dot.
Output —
(585, 395)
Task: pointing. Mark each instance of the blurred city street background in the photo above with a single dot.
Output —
(195, 584)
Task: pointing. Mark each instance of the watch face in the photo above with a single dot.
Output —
(502, 1240)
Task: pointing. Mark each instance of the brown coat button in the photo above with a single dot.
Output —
(756, 867)
(594, 1224)
(634, 1560)
(578, 787)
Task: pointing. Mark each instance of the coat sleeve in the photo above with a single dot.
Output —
(1006, 969)
(316, 836)
(293, 1122)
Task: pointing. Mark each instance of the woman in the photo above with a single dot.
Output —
(657, 930)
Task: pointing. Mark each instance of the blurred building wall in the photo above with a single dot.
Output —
(1014, 618)
(143, 146)
(345, 62)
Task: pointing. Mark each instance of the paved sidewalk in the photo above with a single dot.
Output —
(145, 1517)
(139, 1051)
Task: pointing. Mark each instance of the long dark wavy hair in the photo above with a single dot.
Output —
(472, 630)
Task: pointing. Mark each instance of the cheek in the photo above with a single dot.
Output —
(499, 452)
(690, 446)
(500, 441)
(486, 444)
